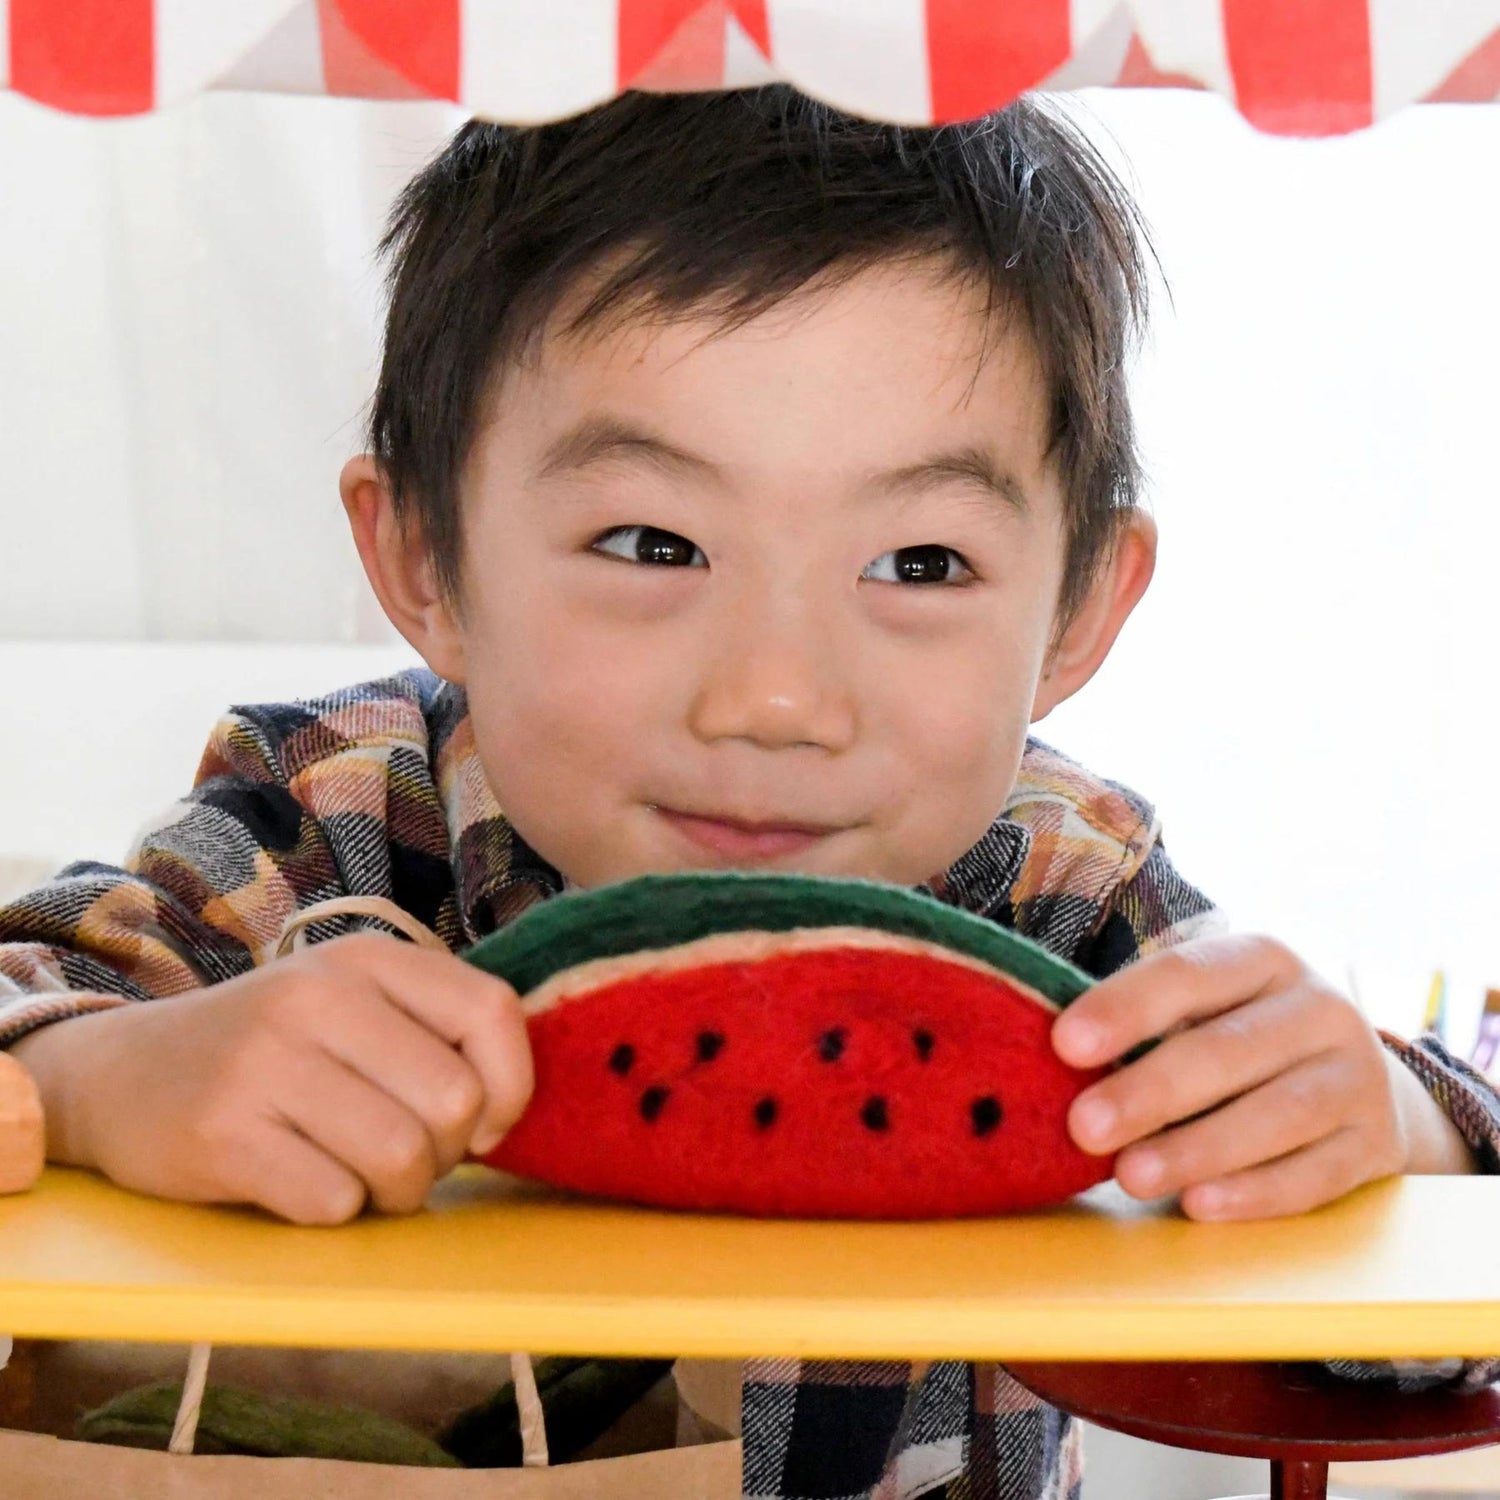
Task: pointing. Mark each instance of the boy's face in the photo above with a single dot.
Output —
(779, 598)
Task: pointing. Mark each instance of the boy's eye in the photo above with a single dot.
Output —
(652, 546)
(930, 564)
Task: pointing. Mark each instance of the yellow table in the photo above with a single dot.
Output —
(1407, 1266)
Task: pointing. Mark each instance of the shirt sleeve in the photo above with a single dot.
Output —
(201, 897)
(1471, 1101)
(1157, 909)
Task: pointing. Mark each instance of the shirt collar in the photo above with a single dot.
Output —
(981, 880)
(496, 874)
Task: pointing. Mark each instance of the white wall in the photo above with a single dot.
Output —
(189, 310)
(1309, 691)
(108, 734)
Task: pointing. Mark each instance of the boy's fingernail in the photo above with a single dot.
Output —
(485, 1142)
(1211, 1200)
(1085, 1040)
(1096, 1118)
(1150, 1170)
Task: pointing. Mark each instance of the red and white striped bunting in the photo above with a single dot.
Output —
(1296, 67)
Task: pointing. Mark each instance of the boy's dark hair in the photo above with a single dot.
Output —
(730, 202)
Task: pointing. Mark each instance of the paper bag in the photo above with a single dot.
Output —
(635, 1460)
(709, 1398)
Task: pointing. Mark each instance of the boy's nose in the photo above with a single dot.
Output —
(776, 685)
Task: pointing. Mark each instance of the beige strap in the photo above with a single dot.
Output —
(190, 1408)
(293, 934)
(528, 1402)
(533, 1419)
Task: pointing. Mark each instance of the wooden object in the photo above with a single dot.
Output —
(1298, 1417)
(1400, 1267)
(23, 1139)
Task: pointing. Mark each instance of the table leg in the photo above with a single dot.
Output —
(1299, 1479)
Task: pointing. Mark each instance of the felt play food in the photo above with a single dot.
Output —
(262, 1425)
(790, 1045)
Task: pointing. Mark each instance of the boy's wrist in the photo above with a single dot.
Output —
(55, 1056)
(1434, 1144)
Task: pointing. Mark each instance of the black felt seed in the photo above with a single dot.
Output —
(924, 1041)
(622, 1059)
(985, 1114)
(710, 1044)
(874, 1114)
(652, 1101)
(831, 1044)
(765, 1113)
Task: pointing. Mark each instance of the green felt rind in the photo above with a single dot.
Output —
(665, 911)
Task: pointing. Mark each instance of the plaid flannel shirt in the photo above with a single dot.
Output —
(376, 790)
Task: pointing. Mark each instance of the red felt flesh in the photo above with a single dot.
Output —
(587, 1130)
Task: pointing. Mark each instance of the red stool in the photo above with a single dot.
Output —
(1298, 1416)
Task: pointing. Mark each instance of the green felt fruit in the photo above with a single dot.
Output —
(263, 1426)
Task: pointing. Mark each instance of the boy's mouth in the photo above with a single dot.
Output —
(739, 839)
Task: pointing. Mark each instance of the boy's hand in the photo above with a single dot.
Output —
(1299, 1100)
(363, 1068)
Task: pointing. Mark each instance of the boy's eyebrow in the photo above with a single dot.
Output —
(601, 436)
(972, 465)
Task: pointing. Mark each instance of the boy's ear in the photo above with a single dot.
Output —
(400, 569)
(1089, 636)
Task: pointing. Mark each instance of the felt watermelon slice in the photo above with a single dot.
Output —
(789, 1045)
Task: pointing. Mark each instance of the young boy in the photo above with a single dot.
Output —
(750, 477)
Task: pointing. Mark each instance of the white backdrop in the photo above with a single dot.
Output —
(188, 320)
(190, 307)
